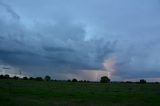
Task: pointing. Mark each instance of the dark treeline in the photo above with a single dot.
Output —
(104, 79)
(46, 78)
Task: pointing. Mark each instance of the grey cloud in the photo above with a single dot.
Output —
(63, 36)
(9, 10)
(56, 46)
(50, 49)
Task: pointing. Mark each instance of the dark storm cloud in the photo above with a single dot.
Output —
(57, 46)
(70, 36)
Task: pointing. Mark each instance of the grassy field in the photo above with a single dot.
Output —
(42, 93)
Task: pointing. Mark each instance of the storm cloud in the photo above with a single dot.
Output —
(78, 37)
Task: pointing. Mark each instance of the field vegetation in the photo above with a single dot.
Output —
(67, 93)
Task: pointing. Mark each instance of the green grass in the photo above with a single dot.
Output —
(42, 93)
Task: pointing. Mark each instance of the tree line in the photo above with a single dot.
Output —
(103, 79)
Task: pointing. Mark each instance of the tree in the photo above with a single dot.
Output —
(1, 76)
(31, 78)
(47, 78)
(105, 79)
(128, 81)
(69, 80)
(25, 78)
(74, 80)
(142, 81)
(38, 79)
(15, 77)
(6, 76)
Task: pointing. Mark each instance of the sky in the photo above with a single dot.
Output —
(83, 39)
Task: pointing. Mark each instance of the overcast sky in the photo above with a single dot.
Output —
(84, 39)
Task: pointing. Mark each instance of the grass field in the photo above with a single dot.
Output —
(42, 93)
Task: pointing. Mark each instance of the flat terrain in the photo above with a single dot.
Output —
(42, 93)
